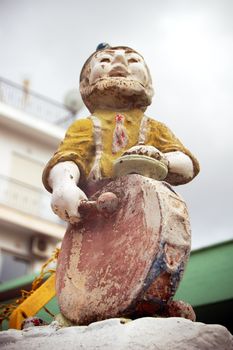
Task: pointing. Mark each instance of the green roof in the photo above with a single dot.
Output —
(17, 282)
(209, 276)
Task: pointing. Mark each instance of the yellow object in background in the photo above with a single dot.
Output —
(33, 303)
(34, 300)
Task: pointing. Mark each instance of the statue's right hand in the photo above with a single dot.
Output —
(65, 201)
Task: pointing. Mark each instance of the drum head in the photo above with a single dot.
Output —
(140, 164)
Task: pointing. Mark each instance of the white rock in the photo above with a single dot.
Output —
(145, 333)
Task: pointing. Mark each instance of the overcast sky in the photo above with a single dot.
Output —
(188, 46)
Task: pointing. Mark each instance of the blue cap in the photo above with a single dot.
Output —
(102, 46)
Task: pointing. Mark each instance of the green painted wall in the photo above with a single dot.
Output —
(52, 306)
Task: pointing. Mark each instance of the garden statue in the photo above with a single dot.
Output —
(128, 238)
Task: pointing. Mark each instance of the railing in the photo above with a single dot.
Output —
(27, 199)
(34, 104)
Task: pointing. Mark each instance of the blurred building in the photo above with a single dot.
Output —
(31, 128)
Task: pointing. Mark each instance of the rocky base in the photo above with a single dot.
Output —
(145, 333)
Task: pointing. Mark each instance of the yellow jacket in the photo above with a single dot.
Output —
(80, 143)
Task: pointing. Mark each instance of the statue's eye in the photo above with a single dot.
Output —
(105, 60)
(133, 60)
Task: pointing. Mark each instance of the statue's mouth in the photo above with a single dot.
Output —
(118, 77)
(119, 71)
(117, 74)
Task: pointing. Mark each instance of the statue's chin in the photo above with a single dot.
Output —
(116, 93)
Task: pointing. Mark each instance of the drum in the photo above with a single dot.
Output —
(129, 262)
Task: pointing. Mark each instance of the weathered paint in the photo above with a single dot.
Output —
(109, 265)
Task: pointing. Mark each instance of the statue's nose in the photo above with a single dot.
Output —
(119, 57)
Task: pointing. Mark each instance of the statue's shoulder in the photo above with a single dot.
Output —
(78, 125)
(156, 123)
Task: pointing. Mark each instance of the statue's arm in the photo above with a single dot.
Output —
(67, 168)
(182, 165)
(66, 195)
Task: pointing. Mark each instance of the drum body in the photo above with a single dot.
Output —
(128, 263)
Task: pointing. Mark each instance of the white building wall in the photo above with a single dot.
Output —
(13, 241)
(26, 145)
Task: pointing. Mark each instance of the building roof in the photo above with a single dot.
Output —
(209, 276)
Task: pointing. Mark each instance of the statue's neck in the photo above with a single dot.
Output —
(131, 115)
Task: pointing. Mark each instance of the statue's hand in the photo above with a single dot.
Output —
(180, 168)
(66, 195)
(66, 199)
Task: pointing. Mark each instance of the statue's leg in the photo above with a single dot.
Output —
(178, 308)
(157, 308)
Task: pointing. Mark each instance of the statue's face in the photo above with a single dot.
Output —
(116, 78)
(118, 63)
